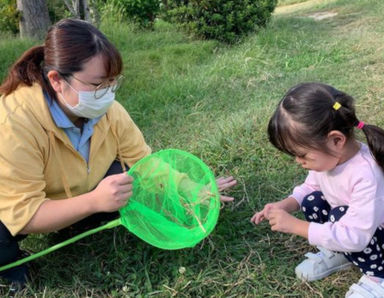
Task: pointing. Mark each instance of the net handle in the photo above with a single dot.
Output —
(109, 225)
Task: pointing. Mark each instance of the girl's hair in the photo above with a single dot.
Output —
(69, 44)
(306, 114)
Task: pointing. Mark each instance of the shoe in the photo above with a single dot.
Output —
(321, 264)
(366, 288)
(15, 287)
(18, 276)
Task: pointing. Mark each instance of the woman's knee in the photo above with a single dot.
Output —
(115, 168)
(9, 246)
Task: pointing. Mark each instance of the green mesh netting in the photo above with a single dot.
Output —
(175, 203)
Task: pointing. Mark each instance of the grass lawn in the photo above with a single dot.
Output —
(215, 101)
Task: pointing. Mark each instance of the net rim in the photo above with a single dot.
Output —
(211, 177)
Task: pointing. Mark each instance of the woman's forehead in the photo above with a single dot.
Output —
(94, 69)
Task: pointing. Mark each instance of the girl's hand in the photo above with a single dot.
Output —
(259, 216)
(288, 204)
(224, 183)
(112, 192)
(281, 221)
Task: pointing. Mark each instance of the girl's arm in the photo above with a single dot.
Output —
(289, 204)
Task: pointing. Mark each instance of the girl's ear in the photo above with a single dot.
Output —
(336, 140)
(55, 80)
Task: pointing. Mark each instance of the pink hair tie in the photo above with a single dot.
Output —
(360, 125)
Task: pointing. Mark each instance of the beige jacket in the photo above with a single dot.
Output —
(38, 161)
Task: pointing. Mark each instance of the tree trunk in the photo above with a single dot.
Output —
(73, 8)
(84, 9)
(34, 20)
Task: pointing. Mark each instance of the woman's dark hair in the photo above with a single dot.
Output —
(305, 116)
(69, 44)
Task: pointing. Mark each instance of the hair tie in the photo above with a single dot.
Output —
(360, 125)
(336, 105)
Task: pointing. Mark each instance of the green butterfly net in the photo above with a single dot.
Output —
(175, 203)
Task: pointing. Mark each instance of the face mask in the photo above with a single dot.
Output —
(88, 106)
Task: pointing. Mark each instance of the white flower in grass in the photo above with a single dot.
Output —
(373, 257)
(367, 250)
(182, 270)
(311, 198)
(361, 260)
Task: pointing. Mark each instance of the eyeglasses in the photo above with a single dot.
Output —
(102, 89)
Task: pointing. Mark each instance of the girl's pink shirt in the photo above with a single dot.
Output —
(357, 183)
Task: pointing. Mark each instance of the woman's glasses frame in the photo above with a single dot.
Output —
(102, 88)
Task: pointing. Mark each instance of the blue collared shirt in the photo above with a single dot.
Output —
(80, 139)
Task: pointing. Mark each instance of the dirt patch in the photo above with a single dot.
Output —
(296, 8)
(318, 16)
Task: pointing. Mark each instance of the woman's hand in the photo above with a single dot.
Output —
(113, 192)
(224, 183)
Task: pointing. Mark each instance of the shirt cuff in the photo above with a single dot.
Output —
(315, 233)
(298, 200)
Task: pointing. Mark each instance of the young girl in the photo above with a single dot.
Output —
(342, 197)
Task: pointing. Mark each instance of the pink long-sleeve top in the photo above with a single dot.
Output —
(357, 183)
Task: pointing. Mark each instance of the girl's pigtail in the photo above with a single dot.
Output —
(375, 140)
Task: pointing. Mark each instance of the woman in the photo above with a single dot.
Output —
(62, 134)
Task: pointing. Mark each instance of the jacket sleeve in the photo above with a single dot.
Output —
(131, 142)
(22, 181)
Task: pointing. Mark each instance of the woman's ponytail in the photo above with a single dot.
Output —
(26, 70)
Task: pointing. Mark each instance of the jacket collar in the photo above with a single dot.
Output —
(37, 104)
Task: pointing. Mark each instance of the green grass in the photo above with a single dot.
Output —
(215, 101)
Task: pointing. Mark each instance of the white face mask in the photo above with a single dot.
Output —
(88, 106)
